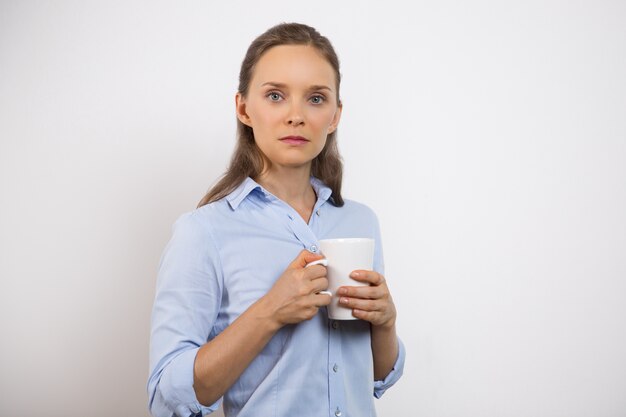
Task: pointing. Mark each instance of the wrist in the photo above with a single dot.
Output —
(387, 327)
(265, 313)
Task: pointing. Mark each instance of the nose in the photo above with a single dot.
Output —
(295, 117)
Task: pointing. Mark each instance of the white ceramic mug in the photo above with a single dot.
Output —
(342, 257)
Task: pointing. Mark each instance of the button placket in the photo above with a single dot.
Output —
(335, 378)
(302, 231)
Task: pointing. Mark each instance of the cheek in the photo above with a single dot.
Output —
(323, 119)
(261, 116)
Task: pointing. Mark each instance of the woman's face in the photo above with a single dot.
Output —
(291, 104)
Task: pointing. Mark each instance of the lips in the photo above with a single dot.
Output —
(294, 140)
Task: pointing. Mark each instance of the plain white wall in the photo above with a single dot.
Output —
(490, 137)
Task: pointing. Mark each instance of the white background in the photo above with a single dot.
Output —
(490, 138)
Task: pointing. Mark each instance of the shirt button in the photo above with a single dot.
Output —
(313, 248)
(335, 325)
(338, 413)
(335, 368)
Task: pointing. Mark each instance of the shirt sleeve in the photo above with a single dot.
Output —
(398, 368)
(187, 300)
(396, 372)
(379, 262)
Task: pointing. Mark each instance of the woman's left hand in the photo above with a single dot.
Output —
(372, 303)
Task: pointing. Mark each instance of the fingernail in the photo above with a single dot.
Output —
(342, 291)
(343, 300)
(354, 275)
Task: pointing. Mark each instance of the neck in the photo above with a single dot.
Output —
(292, 185)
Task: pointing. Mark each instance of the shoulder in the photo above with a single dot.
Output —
(355, 208)
(206, 214)
(198, 222)
(353, 218)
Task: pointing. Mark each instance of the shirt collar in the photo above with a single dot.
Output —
(248, 185)
(322, 190)
(245, 188)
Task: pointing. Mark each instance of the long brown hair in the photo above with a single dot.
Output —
(247, 159)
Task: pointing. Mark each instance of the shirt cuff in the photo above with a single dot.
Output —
(176, 386)
(396, 372)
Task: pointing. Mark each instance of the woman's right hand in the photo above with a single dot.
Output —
(295, 295)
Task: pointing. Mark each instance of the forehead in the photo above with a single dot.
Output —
(293, 64)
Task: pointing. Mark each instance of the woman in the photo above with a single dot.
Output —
(237, 315)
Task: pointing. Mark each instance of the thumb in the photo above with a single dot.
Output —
(303, 258)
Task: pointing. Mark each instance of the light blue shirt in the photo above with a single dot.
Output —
(223, 257)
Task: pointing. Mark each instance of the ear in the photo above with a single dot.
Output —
(240, 108)
(336, 118)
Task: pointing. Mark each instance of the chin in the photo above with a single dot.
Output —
(291, 163)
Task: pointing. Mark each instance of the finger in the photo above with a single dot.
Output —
(304, 257)
(368, 292)
(322, 261)
(315, 272)
(371, 277)
(319, 284)
(359, 304)
(317, 300)
(321, 299)
(371, 316)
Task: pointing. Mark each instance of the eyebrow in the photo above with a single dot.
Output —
(282, 85)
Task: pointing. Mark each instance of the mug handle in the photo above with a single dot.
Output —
(323, 262)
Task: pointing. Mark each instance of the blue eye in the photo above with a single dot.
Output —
(274, 96)
(317, 99)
